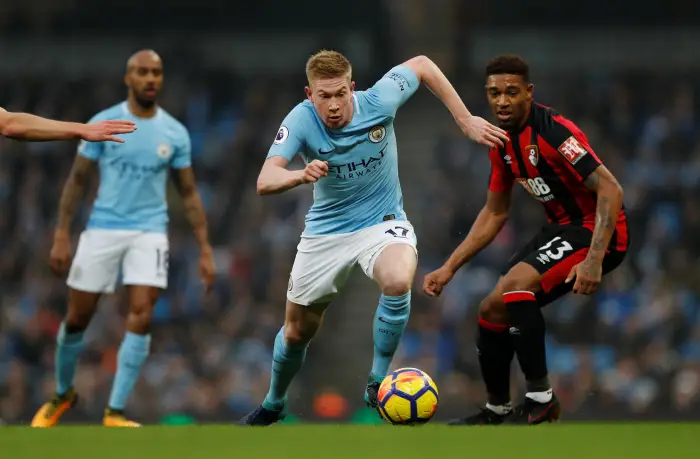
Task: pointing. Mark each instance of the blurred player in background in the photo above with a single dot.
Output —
(586, 237)
(347, 140)
(23, 126)
(126, 231)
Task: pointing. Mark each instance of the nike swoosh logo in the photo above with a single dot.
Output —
(545, 414)
(343, 149)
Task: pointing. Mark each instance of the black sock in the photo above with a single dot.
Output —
(528, 330)
(495, 349)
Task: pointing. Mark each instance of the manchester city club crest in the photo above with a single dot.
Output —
(377, 134)
(163, 151)
(533, 154)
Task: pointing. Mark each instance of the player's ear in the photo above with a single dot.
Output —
(307, 90)
(352, 86)
(127, 81)
(530, 89)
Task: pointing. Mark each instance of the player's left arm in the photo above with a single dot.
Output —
(609, 191)
(24, 126)
(608, 206)
(194, 211)
(186, 185)
(476, 128)
(577, 154)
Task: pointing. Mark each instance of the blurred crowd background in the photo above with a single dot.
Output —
(628, 78)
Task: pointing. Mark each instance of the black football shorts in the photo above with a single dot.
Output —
(553, 252)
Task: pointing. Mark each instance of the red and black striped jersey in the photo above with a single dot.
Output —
(550, 157)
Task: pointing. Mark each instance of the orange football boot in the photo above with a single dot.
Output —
(50, 413)
(114, 418)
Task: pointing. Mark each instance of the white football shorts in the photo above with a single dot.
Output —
(324, 263)
(141, 257)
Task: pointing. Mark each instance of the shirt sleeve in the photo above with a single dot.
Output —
(92, 150)
(182, 156)
(572, 146)
(501, 177)
(393, 90)
(290, 138)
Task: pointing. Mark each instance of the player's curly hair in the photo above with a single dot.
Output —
(327, 64)
(508, 64)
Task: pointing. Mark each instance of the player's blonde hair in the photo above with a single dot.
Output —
(327, 64)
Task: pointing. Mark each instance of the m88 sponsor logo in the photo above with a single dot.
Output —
(537, 188)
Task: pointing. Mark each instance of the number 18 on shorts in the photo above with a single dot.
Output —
(141, 257)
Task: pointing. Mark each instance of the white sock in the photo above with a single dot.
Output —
(501, 410)
(540, 397)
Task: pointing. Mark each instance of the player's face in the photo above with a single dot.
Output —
(145, 79)
(509, 97)
(332, 98)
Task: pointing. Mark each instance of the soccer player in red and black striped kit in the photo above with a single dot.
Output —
(586, 237)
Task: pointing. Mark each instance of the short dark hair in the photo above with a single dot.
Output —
(508, 64)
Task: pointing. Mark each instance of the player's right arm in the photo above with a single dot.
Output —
(486, 227)
(24, 126)
(275, 177)
(73, 191)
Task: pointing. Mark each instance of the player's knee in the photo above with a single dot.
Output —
(139, 318)
(81, 308)
(77, 321)
(521, 278)
(493, 310)
(296, 335)
(396, 284)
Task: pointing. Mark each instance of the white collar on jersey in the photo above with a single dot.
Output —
(357, 104)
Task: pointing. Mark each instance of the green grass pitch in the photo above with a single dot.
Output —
(576, 441)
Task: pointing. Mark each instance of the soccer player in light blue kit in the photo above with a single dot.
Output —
(126, 232)
(347, 141)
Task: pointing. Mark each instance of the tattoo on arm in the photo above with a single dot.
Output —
(74, 190)
(606, 212)
(194, 210)
(603, 224)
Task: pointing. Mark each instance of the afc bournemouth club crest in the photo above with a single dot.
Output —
(533, 154)
(377, 134)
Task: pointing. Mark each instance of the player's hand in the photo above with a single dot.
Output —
(101, 131)
(61, 254)
(483, 132)
(435, 281)
(588, 275)
(314, 171)
(207, 270)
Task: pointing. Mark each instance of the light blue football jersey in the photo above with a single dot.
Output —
(362, 188)
(134, 174)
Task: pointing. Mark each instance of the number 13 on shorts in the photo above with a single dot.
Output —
(553, 250)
